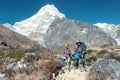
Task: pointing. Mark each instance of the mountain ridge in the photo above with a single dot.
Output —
(71, 31)
(111, 29)
(37, 27)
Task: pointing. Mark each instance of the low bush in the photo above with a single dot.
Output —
(51, 67)
(16, 55)
(89, 50)
(91, 59)
(102, 52)
(1, 52)
(1, 62)
(115, 57)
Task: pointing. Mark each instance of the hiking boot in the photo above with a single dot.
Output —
(69, 70)
(81, 70)
(76, 67)
(85, 69)
(63, 71)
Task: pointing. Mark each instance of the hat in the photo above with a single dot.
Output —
(66, 45)
(78, 43)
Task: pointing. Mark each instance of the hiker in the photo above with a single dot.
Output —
(76, 58)
(81, 49)
(67, 55)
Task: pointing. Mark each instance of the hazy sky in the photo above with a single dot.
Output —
(91, 11)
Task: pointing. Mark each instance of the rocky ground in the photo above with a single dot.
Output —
(102, 64)
(74, 74)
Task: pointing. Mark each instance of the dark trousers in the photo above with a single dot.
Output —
(76, 63)
(82, 57)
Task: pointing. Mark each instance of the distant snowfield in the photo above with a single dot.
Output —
(110, 29)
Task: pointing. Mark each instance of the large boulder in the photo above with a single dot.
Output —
(2, 77)
(105, 69)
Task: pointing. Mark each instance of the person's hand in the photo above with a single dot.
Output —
(73, 60)
(72, 55)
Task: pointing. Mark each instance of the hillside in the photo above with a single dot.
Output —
(46, 63)
(16, 41)
(20, 56)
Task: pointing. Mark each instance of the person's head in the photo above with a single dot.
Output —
(78, 43)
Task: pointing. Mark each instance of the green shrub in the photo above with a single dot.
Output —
(115, 57)
(1, 62)
(89, 51)
(1, 52)
(91, 59)
(16, 55)
(102, 52)
(89, 64)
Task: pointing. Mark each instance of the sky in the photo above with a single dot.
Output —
(91, 11)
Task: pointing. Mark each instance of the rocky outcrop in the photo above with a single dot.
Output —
(105, 69)
(69, 31)
(2, 77)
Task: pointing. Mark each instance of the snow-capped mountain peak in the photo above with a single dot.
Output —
(105, 26)
(48, 10)
(38, 24)
(52, 10)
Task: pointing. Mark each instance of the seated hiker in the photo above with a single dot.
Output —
(76, 58)
(81, 49)
(67, 55)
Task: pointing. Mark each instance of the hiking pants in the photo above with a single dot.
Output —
(82, 57)
(68, 61)
(76, 63)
